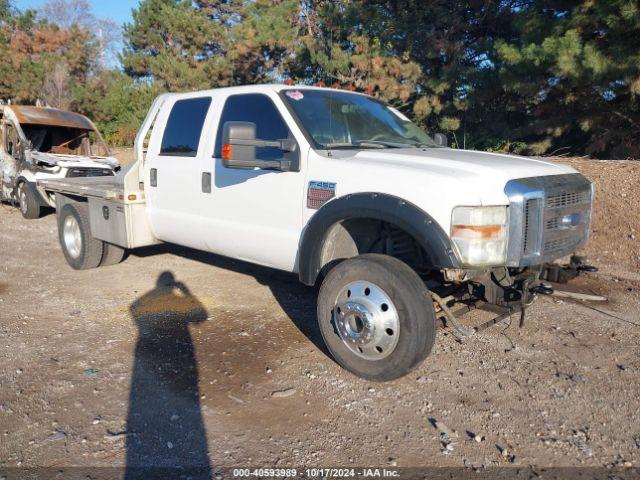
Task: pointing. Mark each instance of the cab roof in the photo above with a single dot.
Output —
(259, 88)
(50, 116)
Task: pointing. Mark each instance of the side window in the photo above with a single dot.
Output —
(11, 139)
(184, 127)
(258, 109)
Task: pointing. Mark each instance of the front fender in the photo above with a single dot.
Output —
(404, 215)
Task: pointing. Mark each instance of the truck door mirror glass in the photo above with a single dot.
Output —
(440, 139)
(239, 144)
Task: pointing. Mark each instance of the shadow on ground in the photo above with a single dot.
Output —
(297, 300)
(166, 436)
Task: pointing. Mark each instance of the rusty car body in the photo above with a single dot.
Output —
(38, 143)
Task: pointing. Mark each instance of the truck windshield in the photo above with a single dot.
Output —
(64, 140)
(349, 120)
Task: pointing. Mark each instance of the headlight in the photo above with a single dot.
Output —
(480, 235)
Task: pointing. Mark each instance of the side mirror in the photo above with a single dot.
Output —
(239, 145)
(440, 139)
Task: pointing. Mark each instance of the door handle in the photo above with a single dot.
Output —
(153, 177)
(206, 182)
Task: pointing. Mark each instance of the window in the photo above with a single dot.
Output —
(11, 140)
(258, 109)
(349, 120)
(184, 127)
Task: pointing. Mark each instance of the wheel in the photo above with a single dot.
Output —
(376, 317)
(80, 248)
(112, 254)
(29, 206)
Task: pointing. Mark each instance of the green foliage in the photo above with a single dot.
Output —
(117, 104)
(573, 72)
(31, 51)
(520, 76)
(177, 45)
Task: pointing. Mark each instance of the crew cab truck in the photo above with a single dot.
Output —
(345, 191)
(37, 143)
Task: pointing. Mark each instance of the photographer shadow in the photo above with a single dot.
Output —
(166, 436)
(296, 300)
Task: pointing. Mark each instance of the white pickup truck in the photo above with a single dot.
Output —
(349, 194)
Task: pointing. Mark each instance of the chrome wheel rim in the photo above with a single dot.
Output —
(23, 201)
(366, 320)
(72, 236)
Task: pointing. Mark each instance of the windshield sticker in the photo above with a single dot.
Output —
(295, 95)
(399, 114)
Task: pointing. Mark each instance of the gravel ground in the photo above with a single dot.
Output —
(110, 367)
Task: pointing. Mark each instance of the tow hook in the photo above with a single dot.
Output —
(542, 289)
(553, 272)
(587, 268)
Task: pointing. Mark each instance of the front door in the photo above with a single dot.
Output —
(256, 214)
(9, 151)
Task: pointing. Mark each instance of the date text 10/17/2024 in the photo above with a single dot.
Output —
(315, 473)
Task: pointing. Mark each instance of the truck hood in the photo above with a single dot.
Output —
(460, 164)
(54, 159)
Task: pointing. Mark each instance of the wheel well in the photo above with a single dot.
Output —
(357, 236)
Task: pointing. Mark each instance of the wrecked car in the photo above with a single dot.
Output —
(38, 143)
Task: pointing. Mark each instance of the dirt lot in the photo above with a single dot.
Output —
(104, 368)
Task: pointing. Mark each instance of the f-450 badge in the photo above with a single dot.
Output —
(320, 193)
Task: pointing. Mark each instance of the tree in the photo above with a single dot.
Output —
(6, 10)
(77, 13)
(178, 45)
(573, 72)
(116, 103)
(57, 89)
(30, 50)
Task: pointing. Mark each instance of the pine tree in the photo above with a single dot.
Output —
(178, 45)
(572, 72)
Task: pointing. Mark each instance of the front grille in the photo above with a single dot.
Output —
(89, 172)
(531, 215)
(561, 244)
(553, 214)
(568, 198)
(566, 221)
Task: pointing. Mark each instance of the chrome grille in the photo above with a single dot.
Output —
(531, 215)
(553, 213)
(89, 172)
(568, 198)
(560, 244)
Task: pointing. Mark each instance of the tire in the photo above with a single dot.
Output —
(27, 202)
(112, 255)
(80, 248)
(397, 315)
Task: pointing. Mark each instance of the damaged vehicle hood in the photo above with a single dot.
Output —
(61, 160)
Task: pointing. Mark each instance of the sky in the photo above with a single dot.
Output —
(117, 10)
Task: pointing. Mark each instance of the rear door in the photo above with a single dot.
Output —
(173, 170)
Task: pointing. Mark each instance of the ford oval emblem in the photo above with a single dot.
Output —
(572, 220)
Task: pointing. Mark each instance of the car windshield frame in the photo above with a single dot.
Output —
(289, 96)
